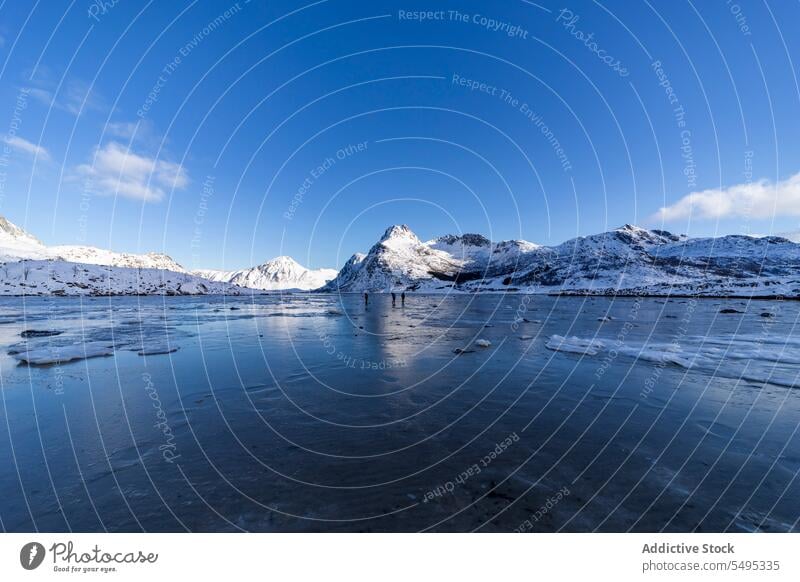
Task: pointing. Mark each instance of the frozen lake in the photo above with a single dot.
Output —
(314, 412)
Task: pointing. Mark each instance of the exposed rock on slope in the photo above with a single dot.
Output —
(627, 260)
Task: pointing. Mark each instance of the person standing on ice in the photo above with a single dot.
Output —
(394, 299)
(403, 299)
(366, 298)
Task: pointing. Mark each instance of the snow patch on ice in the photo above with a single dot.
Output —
(574, 345)
(753, 358)
(43, 356)
(157, 349)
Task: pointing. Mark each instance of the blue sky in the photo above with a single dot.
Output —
(229, 133)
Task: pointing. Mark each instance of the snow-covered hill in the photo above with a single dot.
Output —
(52, 277)
(16, 244)
(95, 256)
(628, 260)
(281, 273)
(28, 267)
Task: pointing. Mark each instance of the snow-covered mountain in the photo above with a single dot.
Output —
(17, 244)
(54, 277)
(28, 267)
(95, 256)
(400, 261)
(281, 273)
(628, 260)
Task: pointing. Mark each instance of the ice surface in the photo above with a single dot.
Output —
(46, 355)
(311, 416)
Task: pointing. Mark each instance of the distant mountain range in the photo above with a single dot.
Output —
(628, 261)
(625, 261)
(28, 267)
(281, 273)
(16, 244)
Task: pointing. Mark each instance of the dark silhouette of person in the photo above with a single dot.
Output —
(403, 298)
(366, 298)
(394, 299)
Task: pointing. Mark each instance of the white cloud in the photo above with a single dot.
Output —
(761, 199)
(142, 131)
(24, 145)
(116, 170)
(74, 97)
(41, 95)
(123, 129)
(79, 98)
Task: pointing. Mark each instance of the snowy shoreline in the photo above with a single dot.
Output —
(627, 262)
(245, 292)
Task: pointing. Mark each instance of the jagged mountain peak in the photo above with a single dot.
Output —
(627, 235)
(467, 239)
(278, 274)
(631, 228)
(399, 231)
(629, 259)
(281, 268)
(638, 233)
(284, 261)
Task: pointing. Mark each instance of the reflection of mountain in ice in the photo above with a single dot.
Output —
(315, 411)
